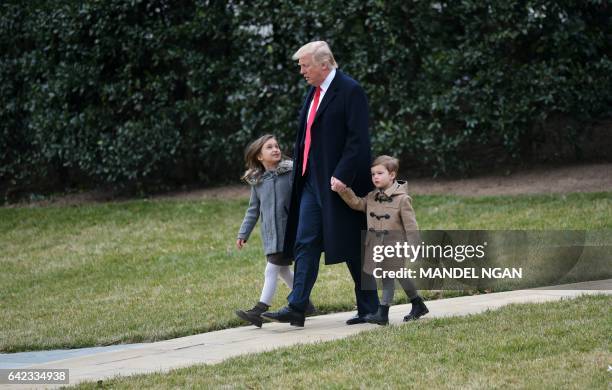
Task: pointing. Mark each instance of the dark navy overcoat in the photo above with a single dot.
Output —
(340, 147)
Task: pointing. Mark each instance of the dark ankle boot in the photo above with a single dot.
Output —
(253, 315)
(418, 309)
(381, 317)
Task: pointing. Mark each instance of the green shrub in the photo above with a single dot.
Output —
(126, 93)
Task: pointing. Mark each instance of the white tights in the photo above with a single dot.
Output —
(271, 276)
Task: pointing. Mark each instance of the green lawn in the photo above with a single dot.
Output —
(149, 270)
(562, 344)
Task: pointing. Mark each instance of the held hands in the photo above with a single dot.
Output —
(337, 185)
(240, 243)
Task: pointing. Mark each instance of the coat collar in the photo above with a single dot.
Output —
(284, 167)
(399, 187)
(330, 94)
(328, 80)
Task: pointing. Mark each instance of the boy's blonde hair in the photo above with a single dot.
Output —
(391, 163)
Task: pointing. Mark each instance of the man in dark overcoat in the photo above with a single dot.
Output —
(332, 151)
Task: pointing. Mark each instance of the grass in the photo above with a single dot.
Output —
(141, 271)
(563, 344)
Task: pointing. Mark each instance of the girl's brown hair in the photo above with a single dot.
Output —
(254, 167)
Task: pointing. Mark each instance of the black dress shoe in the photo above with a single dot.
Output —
(356, 320)
(310, 309)
(381, 317)
(286, 314)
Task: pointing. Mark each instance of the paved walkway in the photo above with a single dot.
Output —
(214, 347)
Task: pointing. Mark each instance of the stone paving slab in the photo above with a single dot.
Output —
(27, 359)
(214, 347)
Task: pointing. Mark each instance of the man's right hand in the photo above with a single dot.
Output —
(240, 243)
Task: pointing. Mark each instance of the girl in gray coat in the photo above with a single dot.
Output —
(270, 178)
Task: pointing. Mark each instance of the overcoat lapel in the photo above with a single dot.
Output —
(329, 96)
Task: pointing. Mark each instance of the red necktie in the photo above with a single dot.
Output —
(311, 116)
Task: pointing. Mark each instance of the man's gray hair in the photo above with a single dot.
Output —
(321, 53)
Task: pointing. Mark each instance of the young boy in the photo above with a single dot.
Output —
(390, 218)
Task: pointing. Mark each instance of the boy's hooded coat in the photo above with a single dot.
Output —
(390, 218)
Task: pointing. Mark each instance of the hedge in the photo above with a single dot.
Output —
(141, 94)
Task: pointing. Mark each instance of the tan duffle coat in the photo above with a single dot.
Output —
(390, 220)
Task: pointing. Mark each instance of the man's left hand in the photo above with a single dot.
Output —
(337, 185)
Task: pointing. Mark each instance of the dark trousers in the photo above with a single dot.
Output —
(308, 248)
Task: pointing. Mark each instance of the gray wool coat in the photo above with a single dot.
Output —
(270, 197)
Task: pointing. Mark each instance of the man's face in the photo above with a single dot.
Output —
(313, 73)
